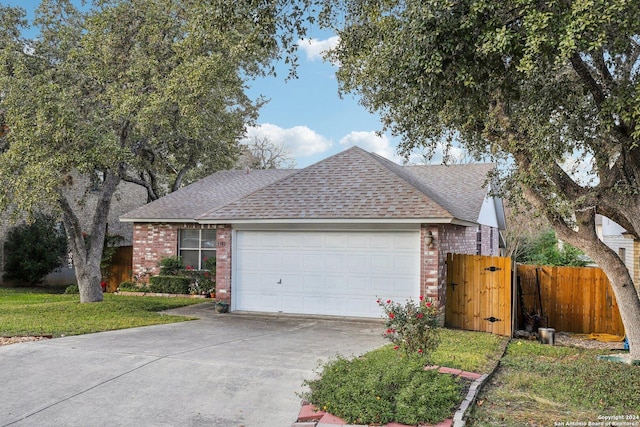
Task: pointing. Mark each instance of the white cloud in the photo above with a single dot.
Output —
(371, 141)
(315, 49)
(299, 140)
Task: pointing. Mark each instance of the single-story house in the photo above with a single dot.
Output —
(328, 239)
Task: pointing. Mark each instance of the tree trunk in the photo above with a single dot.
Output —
(625, 293)
(87, 247)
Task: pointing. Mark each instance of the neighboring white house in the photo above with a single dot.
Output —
(624, 244)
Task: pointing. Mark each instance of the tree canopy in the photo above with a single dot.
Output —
(549, 88)
(146, 91)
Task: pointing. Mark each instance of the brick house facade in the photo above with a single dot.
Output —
(349, 226)
(154, 241)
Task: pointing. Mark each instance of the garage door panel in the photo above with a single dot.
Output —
(335, 282)
(357, 285)
(382, 241)
(313, 240)
(291, 260)
(313, 261)
(359, 241)
(291, 303)
(403, 241)
(292, 240)
(398, 285)
(336, 241)
(381, 263)
(358, 263)
(334, 262)
(269, 262)
(270, 240)
(334, 273)
(313, 282)
(359, 306)
(403, 262)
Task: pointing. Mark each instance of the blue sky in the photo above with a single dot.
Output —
(306, 115)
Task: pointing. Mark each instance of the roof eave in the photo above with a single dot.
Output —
(163, 220)
(327, 220)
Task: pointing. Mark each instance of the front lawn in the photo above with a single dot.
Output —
(542, 385)
(37, 311)
(384, 385)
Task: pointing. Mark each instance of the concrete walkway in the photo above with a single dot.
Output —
(227, 370)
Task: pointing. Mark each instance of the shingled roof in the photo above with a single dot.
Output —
(351, 185)
(212, 192)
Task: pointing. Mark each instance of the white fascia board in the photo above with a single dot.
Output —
(159, 220)
(330, 221)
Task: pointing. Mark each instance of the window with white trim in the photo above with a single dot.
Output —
(195, 246)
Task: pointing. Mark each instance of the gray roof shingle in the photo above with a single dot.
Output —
(353, 184)
(348, 185)
(209, 193)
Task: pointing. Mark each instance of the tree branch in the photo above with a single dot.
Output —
(583, 72)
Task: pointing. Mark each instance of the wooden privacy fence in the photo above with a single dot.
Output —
(120, 270)
(479, 293)
(575, 299)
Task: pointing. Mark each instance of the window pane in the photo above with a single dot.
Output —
(208, 239)
(189, 238)
(190, 259)
(205, 256)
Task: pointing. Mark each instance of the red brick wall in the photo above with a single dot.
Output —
(223, 263)
(151, 243)
(429, 260)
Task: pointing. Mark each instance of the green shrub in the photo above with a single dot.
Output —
(34, 250)
(169, 284)
(131, 287)
(383, 386)
(72, 289)
(412, 328)
(171, 266)
(430, 399)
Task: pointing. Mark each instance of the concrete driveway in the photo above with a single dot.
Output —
(226, 370)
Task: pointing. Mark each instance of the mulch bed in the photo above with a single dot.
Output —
(15, 340)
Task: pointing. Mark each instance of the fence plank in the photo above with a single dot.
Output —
(577, 299)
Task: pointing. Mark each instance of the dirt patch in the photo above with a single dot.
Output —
(15, 340)
(576, 340)
(566, 339)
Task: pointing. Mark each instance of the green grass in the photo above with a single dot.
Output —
(469, 351)
(384, 385)
(542, 385)
(37, 311)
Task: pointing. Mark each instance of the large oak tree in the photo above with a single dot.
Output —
(146, 91)
(540, 85)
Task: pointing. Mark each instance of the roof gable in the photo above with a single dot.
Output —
(349, 185)
(458, 188)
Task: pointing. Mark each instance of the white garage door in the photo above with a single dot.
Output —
(332, 273)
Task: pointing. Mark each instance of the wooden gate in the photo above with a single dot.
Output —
(120, 269)
(479, 293)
